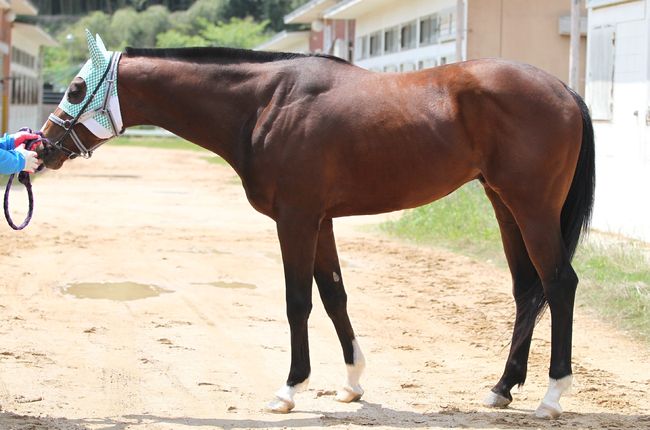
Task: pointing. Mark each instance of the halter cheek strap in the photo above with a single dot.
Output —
(68, 127)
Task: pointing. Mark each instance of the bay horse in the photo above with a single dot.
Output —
(313, 137)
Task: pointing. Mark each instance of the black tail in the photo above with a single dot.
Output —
(576, 212)
(574, 220)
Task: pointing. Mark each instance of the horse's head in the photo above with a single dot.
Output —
(89, 113)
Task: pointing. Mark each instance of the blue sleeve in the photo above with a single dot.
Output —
(7, 142)
(11, 162)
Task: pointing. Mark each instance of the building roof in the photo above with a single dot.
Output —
(309, 12)
(35, 34)
(350, 9)
(23, 7)
(284, 40)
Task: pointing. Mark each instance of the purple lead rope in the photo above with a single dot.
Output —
(23, 178)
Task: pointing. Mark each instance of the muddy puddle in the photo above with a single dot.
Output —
(223, 284)
(118, 291)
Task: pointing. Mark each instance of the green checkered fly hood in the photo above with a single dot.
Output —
(92, 73)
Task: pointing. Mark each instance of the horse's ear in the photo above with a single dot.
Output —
(100, 44)
(96, 55)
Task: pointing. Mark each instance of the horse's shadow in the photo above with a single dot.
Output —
(369, 414)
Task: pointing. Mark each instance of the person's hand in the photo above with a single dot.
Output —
(22, 136)
(31, 159)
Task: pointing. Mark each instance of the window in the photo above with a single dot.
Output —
(34, 97)
(24, 90)
(375, 44)
(429, 29)
(407, 35)
(361, 48)
(21, 57)
(447, 24)
(391, 40)
(407, 67)
(14, 88)
(427, 63)
(390, 68)
(601, 72)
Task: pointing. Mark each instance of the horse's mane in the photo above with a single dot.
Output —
(219, 54)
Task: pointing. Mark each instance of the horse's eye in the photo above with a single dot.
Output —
(77, 91)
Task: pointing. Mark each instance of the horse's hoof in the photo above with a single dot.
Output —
(280, 406)
(349, 394)
(495, 400)
(548, 411)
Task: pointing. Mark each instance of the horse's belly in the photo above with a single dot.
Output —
(379, 190)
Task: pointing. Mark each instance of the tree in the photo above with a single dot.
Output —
(176, 39)
(148, 23)
(236, 33)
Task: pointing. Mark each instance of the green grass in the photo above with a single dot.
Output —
(615, 274)
(617, 282)
(462, 221)
(168, 143)
(215, 159)
(157, 142)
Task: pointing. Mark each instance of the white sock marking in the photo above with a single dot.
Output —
(352, 389)
(550, 406)
(284, 401)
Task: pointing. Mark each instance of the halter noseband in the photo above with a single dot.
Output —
(109, 77)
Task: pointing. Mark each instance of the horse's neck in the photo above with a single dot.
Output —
(207, 104)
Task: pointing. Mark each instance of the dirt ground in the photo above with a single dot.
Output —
(209, 347)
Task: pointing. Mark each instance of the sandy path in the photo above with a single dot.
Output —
(434, 325)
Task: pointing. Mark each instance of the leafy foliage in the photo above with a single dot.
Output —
(147, 24)
(67, 7)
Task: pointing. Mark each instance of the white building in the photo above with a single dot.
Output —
(329, 36)
(618, 94)
(400, 36)
(22, 85)
(287, 41)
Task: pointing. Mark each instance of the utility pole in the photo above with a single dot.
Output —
(574, 50)
(460, 29)
(7, 18)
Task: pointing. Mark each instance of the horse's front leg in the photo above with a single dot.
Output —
(327, 273)
(298, 234)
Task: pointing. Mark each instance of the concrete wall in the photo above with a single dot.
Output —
(522, 30)
(623, 142)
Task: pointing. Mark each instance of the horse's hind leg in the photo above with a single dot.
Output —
(298, 234)
(327, 273)
(541, 231)
(529, 298)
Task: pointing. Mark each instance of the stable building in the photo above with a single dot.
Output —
(618, 96)
(21, 58)
(327, 36)
(393, 35)
(401, 36)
